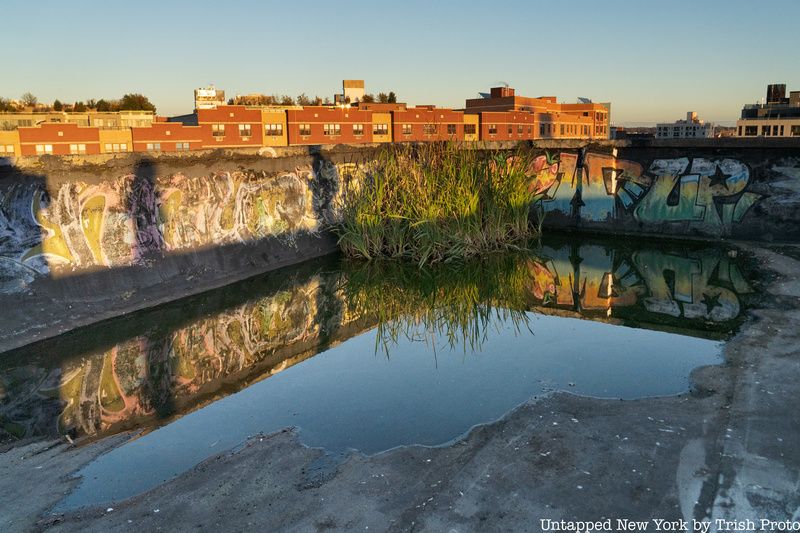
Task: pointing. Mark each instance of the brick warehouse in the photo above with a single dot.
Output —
(499, 116)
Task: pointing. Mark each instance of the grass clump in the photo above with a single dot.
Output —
(437, 202)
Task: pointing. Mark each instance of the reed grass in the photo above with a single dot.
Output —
(437, 202)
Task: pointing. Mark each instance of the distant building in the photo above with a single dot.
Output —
(208, 98)
(352, 92)
(98, 119)
(778, 117)
(553, 120)
(691, 128)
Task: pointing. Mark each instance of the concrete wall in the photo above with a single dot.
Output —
(694, 190)
(82, 241)
(84, 238)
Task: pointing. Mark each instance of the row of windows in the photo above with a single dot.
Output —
(116, 147)
(774, 130)
(6, 148)
(273, 129)
(155, 147)
(245, 130)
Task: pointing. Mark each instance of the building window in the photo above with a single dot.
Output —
(406, 129)
(520, 129)
(781, 133)
(117, 147)
(245, 130)
(42, 149)
(530, 129)
(6, 148)
(469, 129)
(541, 129)
(492, 129)
(182, 147)
(305, 129)
(218, 130)
(380, 129)
(451, 129)
(332, 129)
(77, 148)
(740, 131)
(153, 147)
(775, 130)
(429, 129)
(274, 130)
(765, 130)
(358, 129)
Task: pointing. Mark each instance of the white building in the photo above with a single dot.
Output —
(352, 92)
(208, 98)
(691, 128)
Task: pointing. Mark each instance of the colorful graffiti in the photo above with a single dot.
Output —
(174, 368)
(118, 223)
(711, 195)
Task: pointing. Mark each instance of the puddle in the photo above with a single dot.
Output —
(369, 358)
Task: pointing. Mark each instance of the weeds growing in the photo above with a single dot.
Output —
(436, 202)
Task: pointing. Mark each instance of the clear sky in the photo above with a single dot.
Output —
(654, 60)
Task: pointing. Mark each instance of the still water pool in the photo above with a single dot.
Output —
(369, 358)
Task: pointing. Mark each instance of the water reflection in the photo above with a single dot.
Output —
(149, 368)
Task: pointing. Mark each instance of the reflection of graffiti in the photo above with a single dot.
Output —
(155, 374)
(711, 194)
(117, 223)
(173, 370)
(702, 285)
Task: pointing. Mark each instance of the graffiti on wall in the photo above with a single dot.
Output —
(118, 223)
(709, 194)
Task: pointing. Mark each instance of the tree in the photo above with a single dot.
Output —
(29, 100)
(103, 105)
(136, 102)
(304, 100)
(383, 98)
(6, 105)
(317, 100)
(91, 103)
(392, 98)
(79, 107)
(287, 100)
(368, 98)
(57, 105)
(327, 101)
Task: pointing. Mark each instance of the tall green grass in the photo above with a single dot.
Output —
(437, 202)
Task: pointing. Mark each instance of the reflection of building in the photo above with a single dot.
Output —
(208, 97)
(691, 128)
(778, 117)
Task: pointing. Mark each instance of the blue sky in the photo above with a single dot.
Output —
(654, 60)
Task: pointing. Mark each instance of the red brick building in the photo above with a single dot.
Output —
(329, 125)
(59, 139)
(230, 126)
(427, 123)
(167, 137)
(508, 126)
(549, 113)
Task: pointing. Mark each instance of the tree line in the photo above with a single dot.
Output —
(129, 102)
(305, 100)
